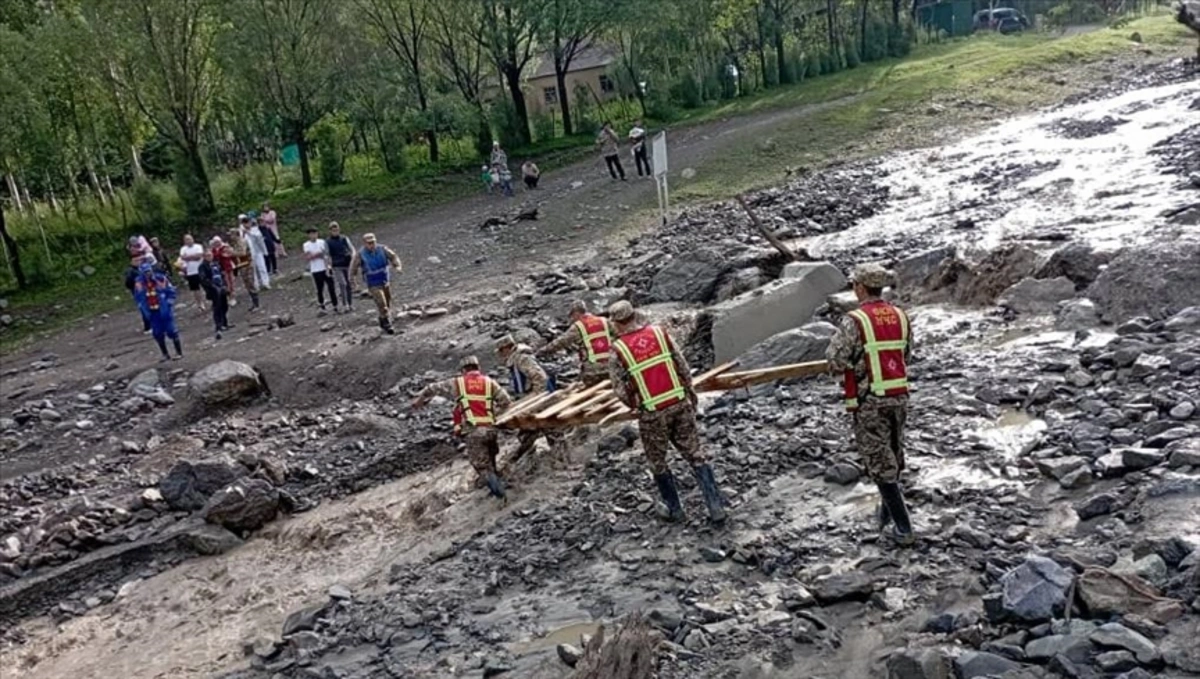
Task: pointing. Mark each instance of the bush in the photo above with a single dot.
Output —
(584, 111)
(391, 146)
(686, 92)
(330, 135)
(151, 206)
(543, 127)
(850, 49)
(506, 124)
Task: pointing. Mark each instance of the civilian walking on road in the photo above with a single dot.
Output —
(341, 255)
(374, 260)
(316, 253)
(212, 279)
(610, 148)
(192, 254)
(271, 223)
(637, 136)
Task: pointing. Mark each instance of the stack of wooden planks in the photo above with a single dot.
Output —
(579, 405)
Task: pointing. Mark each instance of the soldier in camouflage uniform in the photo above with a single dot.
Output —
(878, 402)
(482, 440)
(244, 266)
(573, 338)
(660, 426)
(527, 376)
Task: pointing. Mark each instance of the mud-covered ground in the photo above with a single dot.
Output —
(1050, 263)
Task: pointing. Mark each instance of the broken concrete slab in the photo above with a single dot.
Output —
(787, 303)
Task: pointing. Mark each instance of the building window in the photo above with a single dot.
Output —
(551, 95)
(606, 84)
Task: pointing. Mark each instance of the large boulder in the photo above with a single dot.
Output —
(916, 272)
(797, 345)
(1035, 591)
(227, 382)
(147, 380)
(689, 277)
(748, 319)
(1076, 314)
(999, 270)
(1187, 320)
(928, 663)
(1037, 296)
(246, 505)
(1077, 262)
(974, 664)
(188, 485)
(1152, 279)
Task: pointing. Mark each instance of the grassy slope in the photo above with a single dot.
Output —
(882, 108)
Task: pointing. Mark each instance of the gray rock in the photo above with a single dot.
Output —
(689, 277)
(188, 485)
(1151, 568)
(975, 664)
(1116, 635)
(1078, 377)
(1156, 276)
(1037, 296)
(147, 380)
(1116, 661)
(1076, 314)
(917, 271)
(1149, 364)
(842, 473)
(1175, 433)
(1035, 591)
(227, 382)
(303, 619)
(1097, 505)
(246, 505)
(1077, 649)
(1187, 320)
(1183, 411)
(340, 592)
(1077, 261)
(798, 345)
(1078, 478)
(1184, 453)
(210, 540)
(569, 654)
(1058, 467)
(852, 586)
(738, 282)
(914, 663)
(1141, 458)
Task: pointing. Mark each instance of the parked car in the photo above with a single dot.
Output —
(1001, 19)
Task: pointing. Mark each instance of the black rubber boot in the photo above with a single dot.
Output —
(712, 494)
(495, 486)
(893, 499)
(670, 495)
(178, 347)
(162, 346)
(881, 511)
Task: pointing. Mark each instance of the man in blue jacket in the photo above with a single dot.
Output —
(374, 260)
(156, 299)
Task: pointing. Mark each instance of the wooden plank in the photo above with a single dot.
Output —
(622, 414)
(524, 405)
(705, 376)
(572, 400)
(752, 377)
(611, 403)
(574, 410)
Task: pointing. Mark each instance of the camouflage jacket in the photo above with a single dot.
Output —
(448, 389)
(622, 382)
(845, 352)
(523, 360)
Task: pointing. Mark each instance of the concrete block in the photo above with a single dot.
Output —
(790, 302)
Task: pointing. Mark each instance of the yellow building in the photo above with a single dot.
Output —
(589, 68)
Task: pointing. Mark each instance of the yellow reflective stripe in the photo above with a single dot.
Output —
(851, 403)
(872, 347)
(592, 355)
(466, 399)
(634, 372)
(636, 369)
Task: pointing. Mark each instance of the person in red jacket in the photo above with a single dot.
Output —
(592, 336)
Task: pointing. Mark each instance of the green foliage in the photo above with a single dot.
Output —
(1075, 12)
(850, 50)
(392, 146)
(507, 124)
(687, 92)
(331, 134)
(149, 202)
(543, 127)
(584, 112)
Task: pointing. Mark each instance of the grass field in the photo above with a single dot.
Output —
(896, 103)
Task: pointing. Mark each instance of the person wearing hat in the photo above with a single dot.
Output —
(871, 349)
(244, 266)
(374, 260)
(589, 334)
(477, 399)
(156, 298)
(341, 255)
(651, 376)
(527, 376)
(257, 244)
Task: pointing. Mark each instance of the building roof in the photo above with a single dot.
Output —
(592, 56)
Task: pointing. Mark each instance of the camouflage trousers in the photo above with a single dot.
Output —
(246, 273)
(483, 444)
(879, 435)
(673, 425)
(527, 440)
(592, 373)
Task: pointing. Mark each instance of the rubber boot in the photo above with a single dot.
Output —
(670, 495)
(495, 486)
(178, 347)
(162, 346)
(881, 511)
(893, 499)
(712, 494)
(254, 301)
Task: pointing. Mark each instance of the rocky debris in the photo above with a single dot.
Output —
(798, 345)
(1103, 592)
(961, 280)
(1155, 278)
(227, 382)
(1115, 635)
(1037, 296)
(1078, 262)
(246, 505)
(188, 485)
(975, 664)
(689, 277)
(1076, 314)
(925, 663)
(631, 653)
(210, 540)
(1035, 591)
(1083, 129)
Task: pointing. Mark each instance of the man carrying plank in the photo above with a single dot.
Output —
(591, 335)
(651, 377)
(527, 376)
(477, 400)
(871, 349)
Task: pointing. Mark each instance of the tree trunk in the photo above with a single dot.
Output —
(15, 192)
(198, 200)
(136, 163)
(830, 22)
(95, 182)
(302, 147)
(862, 45)
(11, 253)
(513, 77)
(780, 58)
(896, 12)
(564, 103)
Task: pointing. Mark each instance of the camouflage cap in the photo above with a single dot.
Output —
(468, 362)
(579, 307)
(621, 312)
(872, 275)
(505, 342)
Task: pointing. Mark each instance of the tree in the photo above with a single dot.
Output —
(12, 253)
(507, 32)
(287, 49)
(570, 27)
(161, 55)
(780, 13)
(462, 59)
(404, 28)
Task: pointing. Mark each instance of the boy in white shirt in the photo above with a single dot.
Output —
(192, 254)
(316, 253)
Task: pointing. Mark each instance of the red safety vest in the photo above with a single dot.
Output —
(647, 356)
(883, 329)
(473, 401)
(597, 338)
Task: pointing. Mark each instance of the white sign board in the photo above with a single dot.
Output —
(658, 154)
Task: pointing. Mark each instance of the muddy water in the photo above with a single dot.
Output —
(1025, 178)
